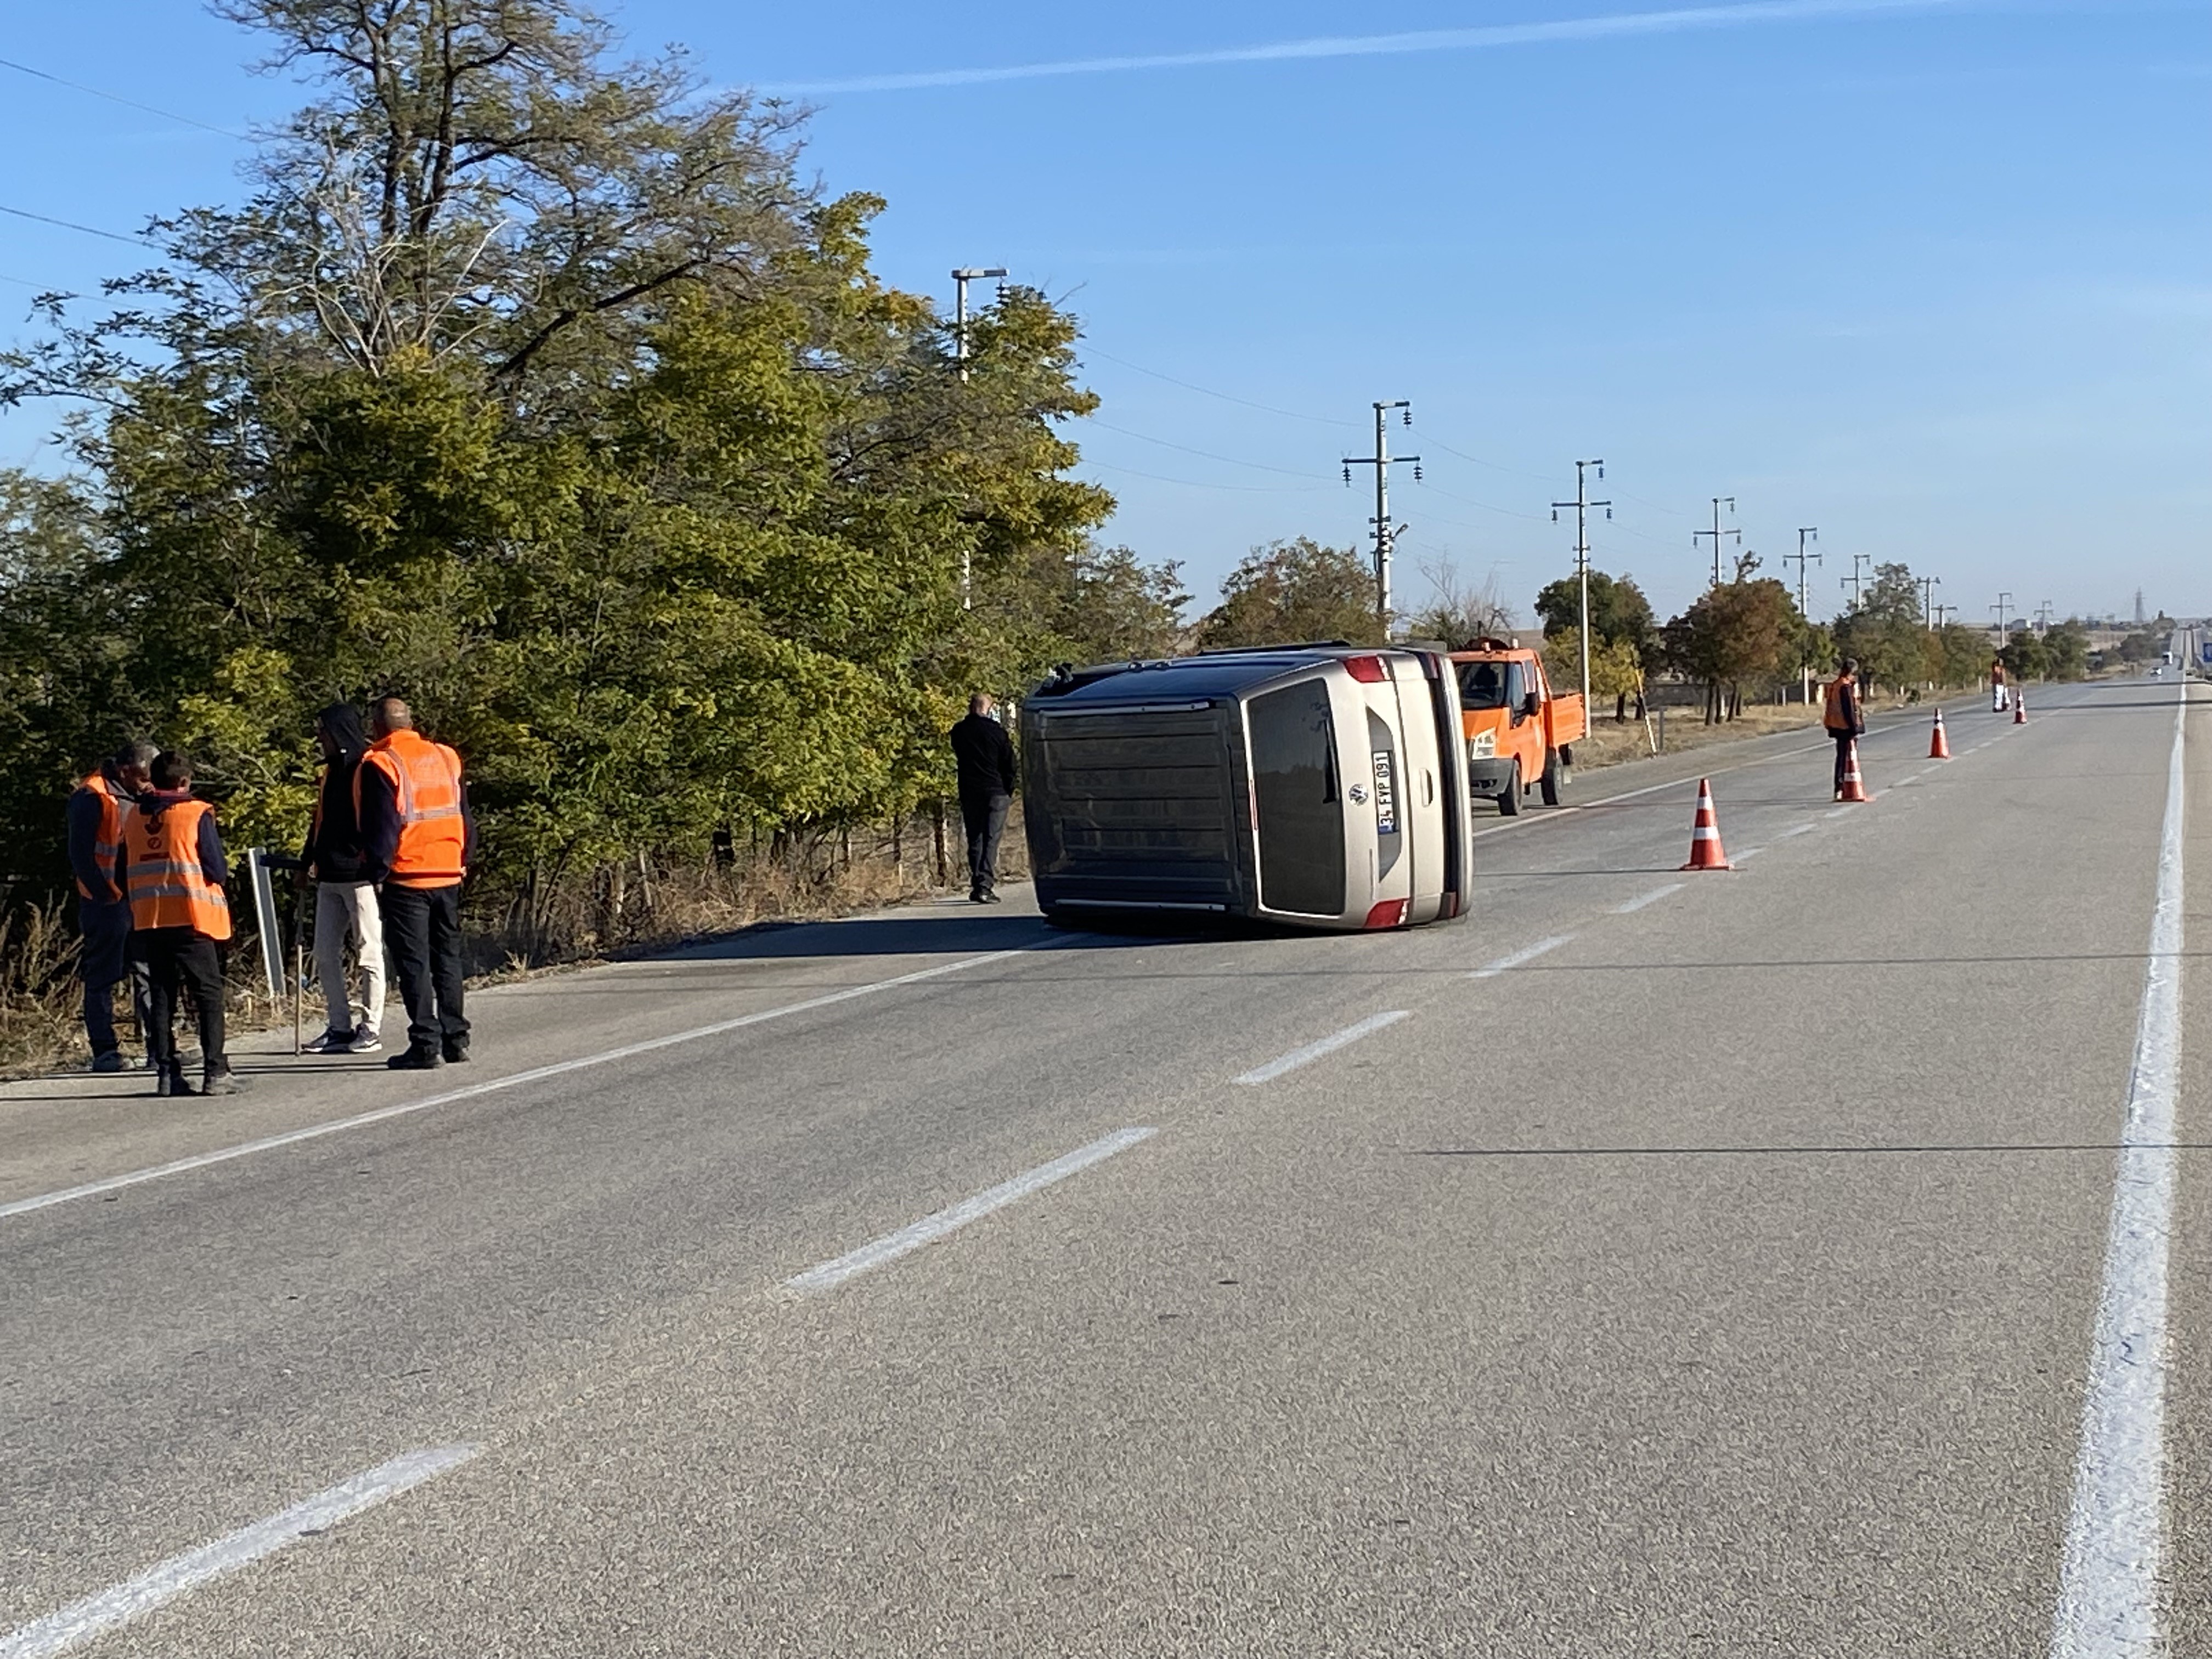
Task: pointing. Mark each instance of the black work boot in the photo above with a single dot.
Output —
(413, 1059)
(169, 1077)
(218, 1080)
(456, 1053)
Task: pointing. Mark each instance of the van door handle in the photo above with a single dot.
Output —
(1428, 789)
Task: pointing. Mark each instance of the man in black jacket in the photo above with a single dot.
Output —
(345, 898)
(985, 756)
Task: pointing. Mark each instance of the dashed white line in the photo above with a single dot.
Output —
(2108, 1585)
(1797, 829)
(1526, 953)
(1652, 897)
(535, 1074)
(891, 1246)
(1327, 1045)
(1748, 853)
(81, 1622)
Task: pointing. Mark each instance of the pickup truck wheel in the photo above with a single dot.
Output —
(1509, 799)
(1554, 775)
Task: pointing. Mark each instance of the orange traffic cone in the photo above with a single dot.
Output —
(2020, 707)
(1854, 786)
(1705, 834)
(1939, 747)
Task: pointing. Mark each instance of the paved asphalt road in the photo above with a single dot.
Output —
(1720, 1277)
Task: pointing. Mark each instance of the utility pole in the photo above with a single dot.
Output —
(2003, 608)
(1384, 534)
(1800, 558)
(1716, 533)
(1582, 506)
(2042, 615)
(1855, 581)
(1928, 586)
(961, 276)
(1943, 614)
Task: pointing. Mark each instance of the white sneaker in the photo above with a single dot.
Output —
(331, 1043)
(364, 1040)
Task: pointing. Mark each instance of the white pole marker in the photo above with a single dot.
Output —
(95, 1615)
(2108, 1585)
(1327, 1045)
(891, 1246)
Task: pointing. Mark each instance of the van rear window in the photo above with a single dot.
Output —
(1295, 792)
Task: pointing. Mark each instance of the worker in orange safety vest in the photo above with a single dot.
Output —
(1843, 718)
(417, 837)
(171, 864)
(95, 838)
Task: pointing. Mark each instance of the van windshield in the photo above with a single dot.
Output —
(1482, 685)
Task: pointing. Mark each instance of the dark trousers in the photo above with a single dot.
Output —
(422, 937)
(105, 960)
(985, 816)
(179, 961)
(1844, 742)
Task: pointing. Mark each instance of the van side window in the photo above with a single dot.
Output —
(1294, 778)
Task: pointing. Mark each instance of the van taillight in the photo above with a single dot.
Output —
(1391, 913)
(1366, 670)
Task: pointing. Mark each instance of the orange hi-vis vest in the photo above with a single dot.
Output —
(426, 778)
(1831, 716)
(161, 872)
(111, 829)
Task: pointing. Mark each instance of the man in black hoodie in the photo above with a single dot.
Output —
(984, 756)
(345, 898)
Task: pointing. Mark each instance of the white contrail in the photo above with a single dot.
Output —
(1371, 45)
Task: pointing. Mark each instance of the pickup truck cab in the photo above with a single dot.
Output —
(1520, 732)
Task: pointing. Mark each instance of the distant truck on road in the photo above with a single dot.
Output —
(1520, 733)
(1316, 786)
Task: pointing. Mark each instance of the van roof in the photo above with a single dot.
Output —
(1217, 674)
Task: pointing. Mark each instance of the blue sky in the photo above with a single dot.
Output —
(1933, 277)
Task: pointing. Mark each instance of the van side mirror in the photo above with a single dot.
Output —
(1532, 705)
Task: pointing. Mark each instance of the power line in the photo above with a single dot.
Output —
(1206, 454)
(1208, 391)
(128, 103)
(1494, 466)
(67, 224)
(1195, 483)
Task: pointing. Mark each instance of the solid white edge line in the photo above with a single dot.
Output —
(2108, 1587)
(1643, 899)
(1329, 1044)
(81, 1622)
(535, 1074)
(1526, 953)
(828, 1275)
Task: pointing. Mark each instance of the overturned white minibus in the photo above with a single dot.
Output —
(1314, 786)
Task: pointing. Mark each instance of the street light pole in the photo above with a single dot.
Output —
(1582, 504)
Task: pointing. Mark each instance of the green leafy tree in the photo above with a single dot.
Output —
(1743, 631)
(1619, 616)
(1886, 631)
(1289, 592)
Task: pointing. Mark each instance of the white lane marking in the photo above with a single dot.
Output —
(1652, 897)
(81, 1622)
(1797, 829)
(891, 1246)
(1748, 853)
(2108, 1585)
(1909, 777)
(1843, 810)
(1526, 953)
(1327, 1045)
(535, 1074)
(1528, 820)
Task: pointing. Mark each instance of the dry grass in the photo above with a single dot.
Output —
(1609, 744)
(631, 908)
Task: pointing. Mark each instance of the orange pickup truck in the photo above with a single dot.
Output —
(1520, 733)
